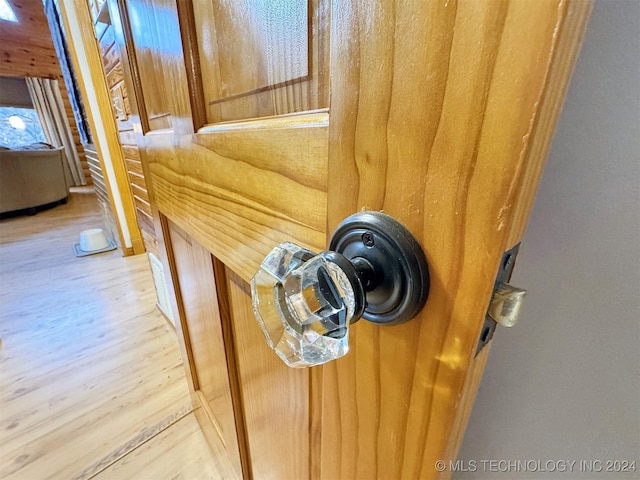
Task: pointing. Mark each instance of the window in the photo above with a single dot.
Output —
(6, 12)
(19, 127)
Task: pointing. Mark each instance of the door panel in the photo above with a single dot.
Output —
(202, 326)
(246, 393)
(262, 58)
(275, 398)
(156, 62)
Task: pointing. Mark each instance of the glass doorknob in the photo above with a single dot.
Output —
(305, 302)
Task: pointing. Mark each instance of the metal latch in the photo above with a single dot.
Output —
(506, 300)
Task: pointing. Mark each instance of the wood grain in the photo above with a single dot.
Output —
(134, 166)
(186, 18)
(179, 453)
(135, 98)
(198, 295)
(565, 55)
(95, 167)
(240, 190)
(113, 66)
(91, 370)
(139, 188)
(114, 77)
(159, 63)
(151, 243)
(146, 225)
(262, 60)
(132, 444)
(224, 304)
(439, 100)
(275, 397)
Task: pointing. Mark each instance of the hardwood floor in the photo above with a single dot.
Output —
(91, 379)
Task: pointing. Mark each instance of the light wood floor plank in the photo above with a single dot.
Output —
(159, 458)
(91, 378)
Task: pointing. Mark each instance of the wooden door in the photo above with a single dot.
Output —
(264, 122)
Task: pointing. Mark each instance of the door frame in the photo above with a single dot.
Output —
(85, 55)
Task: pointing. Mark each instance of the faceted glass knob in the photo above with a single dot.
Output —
(304, 304)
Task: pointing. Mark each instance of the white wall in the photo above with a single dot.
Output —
(564, 384)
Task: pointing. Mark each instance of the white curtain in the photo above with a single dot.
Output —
(45, 94)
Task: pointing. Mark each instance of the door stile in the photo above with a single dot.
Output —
(222, 291)
(441, 115)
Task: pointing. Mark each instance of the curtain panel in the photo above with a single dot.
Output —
(45, 94)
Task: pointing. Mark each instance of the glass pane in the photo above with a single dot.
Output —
(6, 12)
(19, 127)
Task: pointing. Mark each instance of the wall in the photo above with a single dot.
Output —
(26, 50)
(564, 384)
(112, 62)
